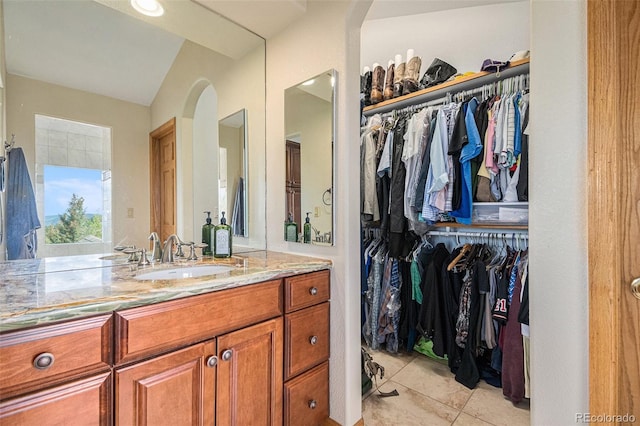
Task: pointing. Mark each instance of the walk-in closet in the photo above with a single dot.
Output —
(444, 214)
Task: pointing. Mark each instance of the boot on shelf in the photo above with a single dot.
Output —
(411, 73)
(365, 85)
(388, 82)
(398, 76)
(377, 83)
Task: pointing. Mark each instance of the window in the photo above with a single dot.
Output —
(73, 186)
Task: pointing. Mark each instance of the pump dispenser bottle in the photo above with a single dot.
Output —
(222, 239)
(291, 230)
(206, 235)
(307, 230)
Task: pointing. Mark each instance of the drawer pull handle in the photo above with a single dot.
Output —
(43, 361)
(313, 291)
(226, 355)
(313, 340)
(212, 361)
(312, 404)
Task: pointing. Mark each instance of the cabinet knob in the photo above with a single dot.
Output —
(226, 355)
(635, 287)
(212, 361)
(313, 291)
(313, 340)
(43, 361)
(312, 404)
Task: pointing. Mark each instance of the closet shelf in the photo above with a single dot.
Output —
(460, 84)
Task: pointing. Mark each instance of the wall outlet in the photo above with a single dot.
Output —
(130, 212)
(316, 212)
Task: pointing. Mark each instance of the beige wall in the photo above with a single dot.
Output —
(559, 285)
(238, 84)
(130, 143)
(326, 37)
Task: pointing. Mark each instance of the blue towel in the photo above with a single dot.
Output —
(22, 216)
(237, 223)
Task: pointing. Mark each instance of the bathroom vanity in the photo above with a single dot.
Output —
(247, 346)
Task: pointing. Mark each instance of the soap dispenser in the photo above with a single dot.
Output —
(307, 230)
(222, 239)
(290, 230)
(206, 235)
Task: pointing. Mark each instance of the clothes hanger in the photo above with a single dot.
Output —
(465, 249)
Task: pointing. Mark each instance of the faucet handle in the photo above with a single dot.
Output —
(132, 252)
(192, 252)
(144, 261)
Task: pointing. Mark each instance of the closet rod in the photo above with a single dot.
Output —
(513, 234)
(455, 88)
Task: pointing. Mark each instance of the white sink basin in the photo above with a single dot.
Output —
(184, 272)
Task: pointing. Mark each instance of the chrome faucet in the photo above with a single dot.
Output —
(156, 254)
(167, 250)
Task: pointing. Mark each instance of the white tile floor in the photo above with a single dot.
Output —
(430, 395)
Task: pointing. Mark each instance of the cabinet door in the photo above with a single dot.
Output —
(80, 402)
(249, 390)
(174, 389)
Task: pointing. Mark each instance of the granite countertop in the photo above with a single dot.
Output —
(41, 291)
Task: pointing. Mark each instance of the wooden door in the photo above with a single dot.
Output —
(80, 402)
(249, 390)
(162, 149)
(614, 206)
(173, 389)
(293, 163)
(293, 191)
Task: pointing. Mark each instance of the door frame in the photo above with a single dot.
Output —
(155, 211)
(612, 105)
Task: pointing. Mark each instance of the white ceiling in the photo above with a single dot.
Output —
(86, 46)
(92, 45)
(381, 9)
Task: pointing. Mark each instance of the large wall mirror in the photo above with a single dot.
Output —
(136, 115)
(309, 130)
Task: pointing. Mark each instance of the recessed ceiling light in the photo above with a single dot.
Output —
(148, 7)
(308, 82)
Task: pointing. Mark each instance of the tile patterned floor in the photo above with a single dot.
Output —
(429, 395)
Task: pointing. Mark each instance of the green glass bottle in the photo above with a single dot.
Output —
(291, 230)
(222, 236)
(206, 235)
(307, 230)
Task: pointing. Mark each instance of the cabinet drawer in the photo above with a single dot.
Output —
(72, 349)
(306, 290)
(307, 339)
(148, 330)
(78, 403)
(306, 398)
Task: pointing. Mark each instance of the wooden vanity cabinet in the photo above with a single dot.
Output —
(57, 374)
(306, 361)
(232, 378)
(252, 355)
(235, 379)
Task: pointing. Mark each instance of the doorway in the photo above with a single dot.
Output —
(162, 155)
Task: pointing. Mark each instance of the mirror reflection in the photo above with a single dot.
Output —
(92, 86)
(309, 130)
(232, 171)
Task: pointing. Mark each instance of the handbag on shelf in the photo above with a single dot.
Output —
(438, 72)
